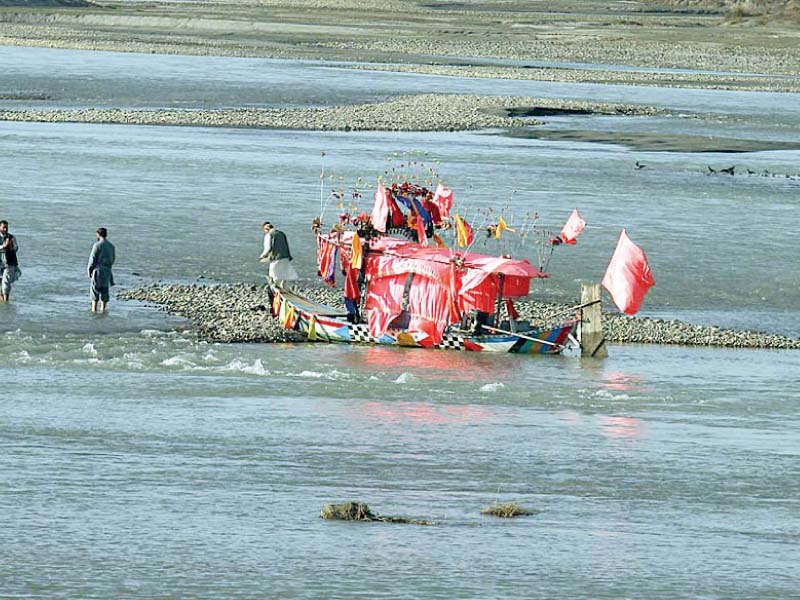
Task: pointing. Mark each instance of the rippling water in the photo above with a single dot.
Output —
(137, 462)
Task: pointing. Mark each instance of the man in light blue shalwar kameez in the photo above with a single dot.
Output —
(100, 262)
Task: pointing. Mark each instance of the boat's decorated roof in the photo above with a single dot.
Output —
(437, 257)
(496, 265)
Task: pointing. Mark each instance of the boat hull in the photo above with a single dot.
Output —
(299, 314)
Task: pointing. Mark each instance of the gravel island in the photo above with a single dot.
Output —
(241, 313)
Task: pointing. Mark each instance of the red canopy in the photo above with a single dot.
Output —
(445, 285)
(488, 265)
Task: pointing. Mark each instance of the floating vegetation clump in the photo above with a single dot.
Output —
(507, 510)
(358, 511)
(348, 511)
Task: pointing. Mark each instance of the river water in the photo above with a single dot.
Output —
(139, 463)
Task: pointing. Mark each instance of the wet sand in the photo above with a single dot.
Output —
(648, 142)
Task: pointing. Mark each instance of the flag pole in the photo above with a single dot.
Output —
(592, 339)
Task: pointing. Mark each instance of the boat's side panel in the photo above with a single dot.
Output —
(557, 335)
(331, 329)
(557, 338)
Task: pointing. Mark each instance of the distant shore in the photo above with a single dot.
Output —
(241, 313)
(686, 46)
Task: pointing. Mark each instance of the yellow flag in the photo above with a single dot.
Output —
(498, 230)
(282, 312)
(276, 305)
(462, 235)
(312, 327)
(290, 318)
(355, 261)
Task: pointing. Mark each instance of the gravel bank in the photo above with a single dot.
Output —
(240, 313)
(760, 83)
(421, 112)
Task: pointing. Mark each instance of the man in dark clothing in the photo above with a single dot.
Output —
(100, 262)
(9, 265)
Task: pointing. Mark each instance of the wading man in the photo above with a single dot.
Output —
(100, 262)
(276, 253)
(9, 266)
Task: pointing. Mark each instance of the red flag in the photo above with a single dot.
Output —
(443, 199)
(380, 210)
(628, 275)
(572, 228)
(422, 236)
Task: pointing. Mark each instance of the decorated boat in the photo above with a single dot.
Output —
(428, 298)
(404, 286)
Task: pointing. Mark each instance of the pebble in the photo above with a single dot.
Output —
(240, 312)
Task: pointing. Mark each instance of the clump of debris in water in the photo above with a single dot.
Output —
(358, 511)
(507, 510)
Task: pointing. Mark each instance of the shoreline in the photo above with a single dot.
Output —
(747, 80)
(418, 113)
(240, 313)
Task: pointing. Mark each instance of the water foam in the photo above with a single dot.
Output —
(404, 378)
(610, 395)
(178, 361)
(493, 387)
(257, 368)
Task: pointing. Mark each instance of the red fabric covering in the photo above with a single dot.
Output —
(429, 306)
(444, 285)
(380, 210)
(383, 265)
(326, 256)
(384, 302)
(472, 346)
(628, 276)
(396, 216)
(516, 287)
(512, 311)
(404, 249)
(351, 289)
(515, 283)
(422, 237)
(572, 228)
(443, 200)
(481, 296)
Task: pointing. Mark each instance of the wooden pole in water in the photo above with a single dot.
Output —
(592, 339)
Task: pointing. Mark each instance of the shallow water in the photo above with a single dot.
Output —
(138, 462)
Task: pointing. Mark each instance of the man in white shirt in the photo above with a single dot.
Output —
(276, 253)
